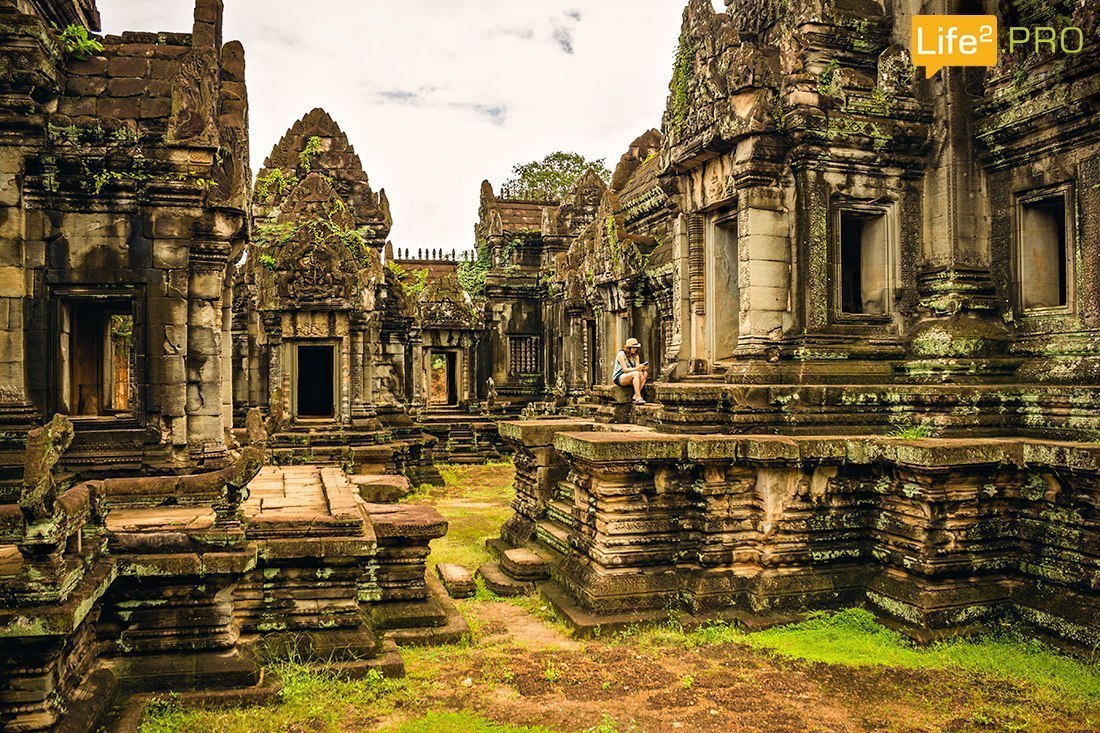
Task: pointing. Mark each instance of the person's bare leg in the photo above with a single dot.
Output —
(634, 379)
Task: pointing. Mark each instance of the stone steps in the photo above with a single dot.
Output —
(524, 565)
(553, 535)
(499, 582)
(560, 513)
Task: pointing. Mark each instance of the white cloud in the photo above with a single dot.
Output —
(437, 96)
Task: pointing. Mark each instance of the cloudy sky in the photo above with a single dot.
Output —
(437, 96)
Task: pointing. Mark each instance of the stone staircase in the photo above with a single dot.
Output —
(365, 451)
(515, 572)
(462, 437)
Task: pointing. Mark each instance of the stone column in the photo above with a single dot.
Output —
(955, 281)
(15, 410)
(358, 375)
(764, 276)
(206, 276)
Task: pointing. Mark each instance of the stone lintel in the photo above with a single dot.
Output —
(406, 522)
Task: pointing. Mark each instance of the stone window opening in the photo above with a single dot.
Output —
(524, 356)
(863, 263)
(1044, 263)
(97, 355)
(590, 352)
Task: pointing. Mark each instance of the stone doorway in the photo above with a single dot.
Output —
(443, 376)
(315, 386)
(98, 363)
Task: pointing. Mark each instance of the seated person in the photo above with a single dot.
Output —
(628, 372)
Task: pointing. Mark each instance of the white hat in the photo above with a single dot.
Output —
(633, 343)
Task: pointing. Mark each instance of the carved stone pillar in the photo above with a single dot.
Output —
(206, 277)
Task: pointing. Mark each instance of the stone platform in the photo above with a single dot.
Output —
(133, 586)
(937, 536)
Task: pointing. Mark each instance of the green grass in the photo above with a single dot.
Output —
(475, 500)
(310, 700)
(854, 638)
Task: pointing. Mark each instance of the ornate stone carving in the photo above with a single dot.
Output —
(44, 448)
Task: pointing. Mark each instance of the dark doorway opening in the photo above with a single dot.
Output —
(316, 374)
(444, 378)
(100, 357)
(863, 263)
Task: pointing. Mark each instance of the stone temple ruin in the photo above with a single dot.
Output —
(869, 299)
(871, 305)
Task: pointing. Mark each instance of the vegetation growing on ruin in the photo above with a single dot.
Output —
(314, 147)
(914, 432)
(552, 177)
(77, 44)
(471, 273)
(683, 73)
(827, 82)
(412, 283)
(274, 184)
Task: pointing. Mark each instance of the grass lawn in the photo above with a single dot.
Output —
(522, 673)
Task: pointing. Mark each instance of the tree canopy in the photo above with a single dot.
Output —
(552, 177)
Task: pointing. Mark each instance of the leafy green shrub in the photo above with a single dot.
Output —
(77, 44)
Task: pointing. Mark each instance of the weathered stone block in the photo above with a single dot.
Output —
(124, 66)
(458, 581)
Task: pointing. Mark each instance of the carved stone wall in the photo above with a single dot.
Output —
(127, 192)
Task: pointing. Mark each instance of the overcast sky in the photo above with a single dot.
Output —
(437, 96)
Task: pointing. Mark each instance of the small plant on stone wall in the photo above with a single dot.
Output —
(314, 147)
(274, 184)
(914, 432)
(471, 273)
(77, 44)
(827, 81)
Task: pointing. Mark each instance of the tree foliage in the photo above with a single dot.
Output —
(552, 177)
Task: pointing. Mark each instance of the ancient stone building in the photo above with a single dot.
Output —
(509, 234)
(446, 366)
(876, 295)
(141, 548)
(326, 339)
(125, 198)
(611, 277)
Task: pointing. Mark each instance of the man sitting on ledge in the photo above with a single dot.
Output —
(628, 372)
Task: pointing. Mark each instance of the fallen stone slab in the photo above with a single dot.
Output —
(458, 581)
(523, 564)
(381, 488)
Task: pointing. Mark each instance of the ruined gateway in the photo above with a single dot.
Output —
(870, 301)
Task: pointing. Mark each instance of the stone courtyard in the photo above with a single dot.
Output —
(868, 298)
